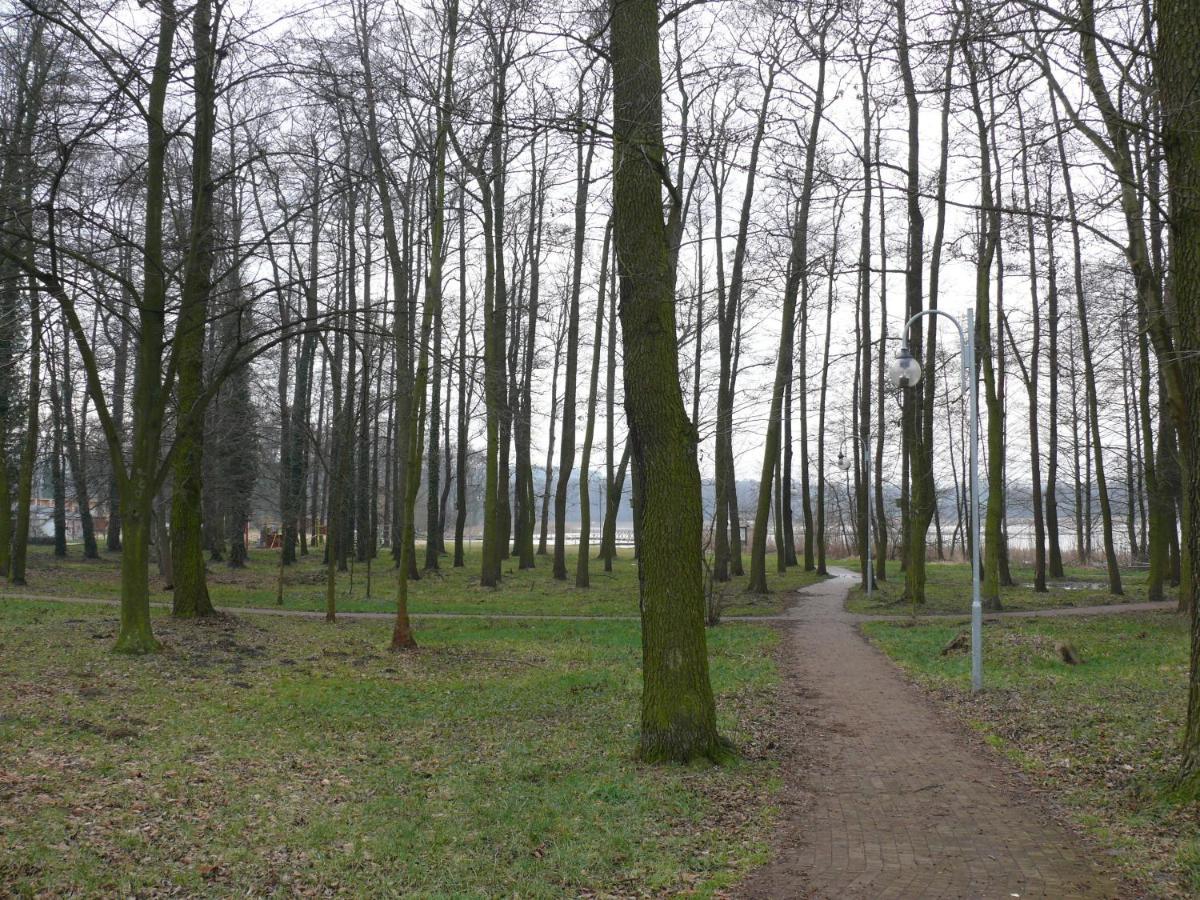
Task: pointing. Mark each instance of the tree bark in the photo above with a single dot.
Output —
(678, 711)
(1179, 76)
(589, 428)
(585, 152)
(187, 532)
(989, 236)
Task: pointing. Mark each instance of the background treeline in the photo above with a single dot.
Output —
(348, 272)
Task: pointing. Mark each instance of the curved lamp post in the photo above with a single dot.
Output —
(905, 373)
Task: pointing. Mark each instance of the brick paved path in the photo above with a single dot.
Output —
(891, 800)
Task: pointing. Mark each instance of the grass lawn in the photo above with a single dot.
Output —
(261, 755)
(1102, 736)
(948, 589)
(447, 590)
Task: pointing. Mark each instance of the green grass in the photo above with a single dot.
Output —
(448, 590)
(1103, 736)
(948, 590)
(264, 755)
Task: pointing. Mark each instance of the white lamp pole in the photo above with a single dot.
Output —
(906, 372)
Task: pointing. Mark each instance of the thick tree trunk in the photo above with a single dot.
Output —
(187, 532)
(678, 711)
(917, 441)
(1179, 76)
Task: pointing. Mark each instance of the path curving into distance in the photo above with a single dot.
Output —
(890, 799)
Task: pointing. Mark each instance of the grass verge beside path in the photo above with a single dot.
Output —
(285, 755)
(948, 590)
(1102, 737)
(448, 590)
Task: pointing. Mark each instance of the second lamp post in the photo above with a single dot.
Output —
(906, 373)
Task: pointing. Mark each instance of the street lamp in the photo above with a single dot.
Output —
(906, 372)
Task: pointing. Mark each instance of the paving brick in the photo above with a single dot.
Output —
(901, 803)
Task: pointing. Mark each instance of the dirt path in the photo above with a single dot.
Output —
(891, 799)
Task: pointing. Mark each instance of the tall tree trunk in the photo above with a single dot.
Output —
(1054, 561)
(613, 485)
(813, 533)
(922, 492)
(589, 428)
(822, 543)
(1032, 371)
(433, 517)
(989, 236)
(585, 152)
(721, 548)
(460, 449)
(112, 537)
(139, 488)
(1179, 75)
(800, 271)
(27, 80)
(187, 532)
(862, 372)
(77, 456)
(1092, 398)
(733, 312)
(678, 711)
(881, 518)
(58, 484)
(548, 471)
(402, 636)
(526, 496)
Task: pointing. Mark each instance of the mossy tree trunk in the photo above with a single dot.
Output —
(402, 635)
(1179, 84)
(187, 534)
(917, 400)
(678, 711)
